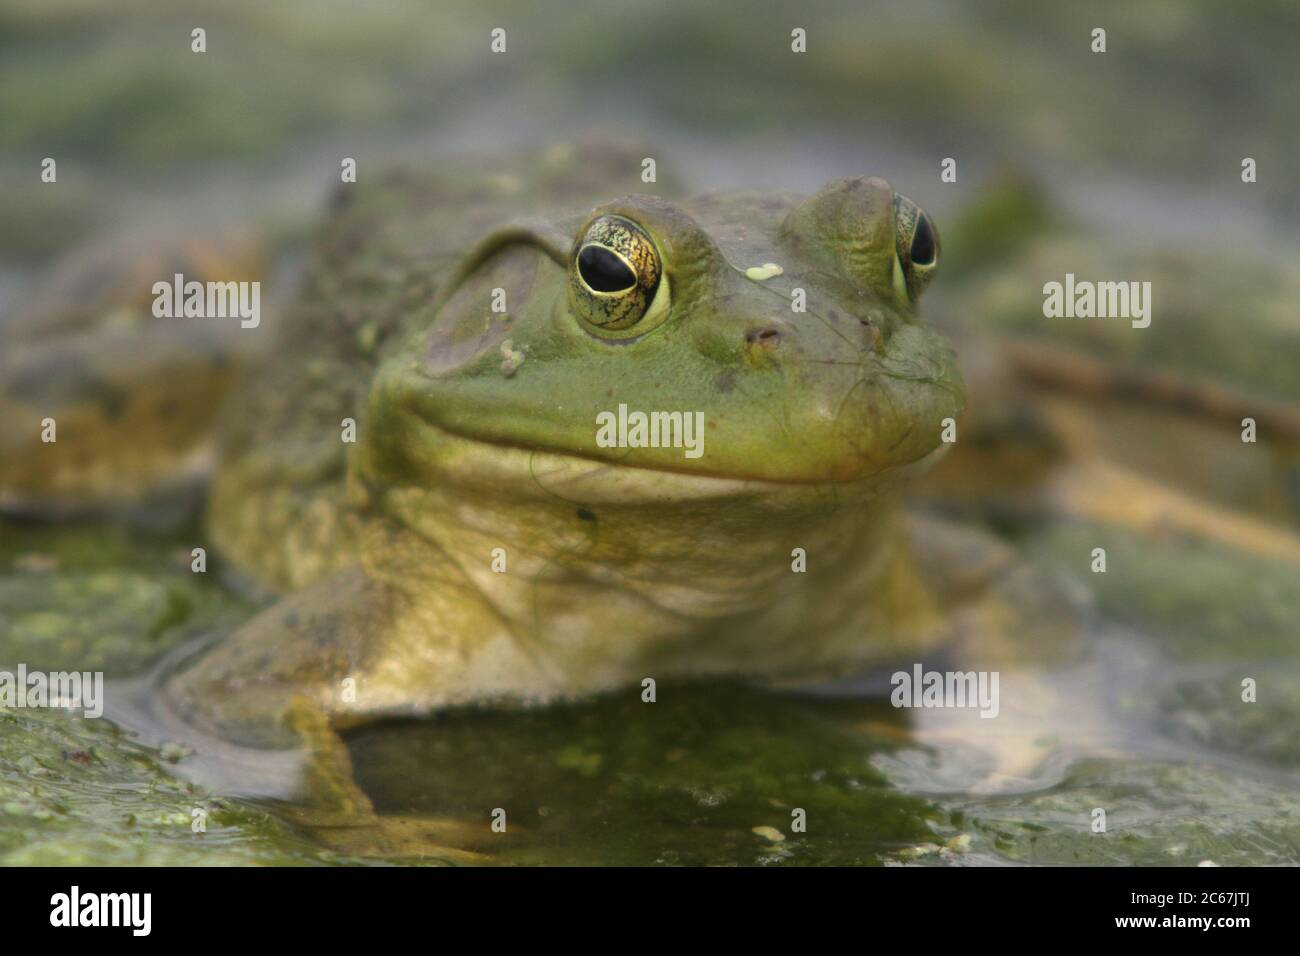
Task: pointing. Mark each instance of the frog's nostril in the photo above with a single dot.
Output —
(766, 337)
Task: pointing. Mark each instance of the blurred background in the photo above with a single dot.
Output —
(1146, 139)
(1118, 166)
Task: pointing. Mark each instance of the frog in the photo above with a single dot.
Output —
(413, 475)
(481, 545)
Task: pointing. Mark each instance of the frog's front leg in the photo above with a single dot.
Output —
(353, 649)
(253, 687)
(344, 652)
(281, 682)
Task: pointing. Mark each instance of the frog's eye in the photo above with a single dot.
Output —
(616, 285)
(917, 247)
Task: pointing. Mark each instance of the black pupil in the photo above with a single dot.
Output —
(604, 271)
(922, 251)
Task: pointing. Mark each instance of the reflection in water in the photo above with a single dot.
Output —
(686, 779)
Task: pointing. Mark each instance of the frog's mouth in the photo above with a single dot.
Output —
(430, 454)
(475, 431)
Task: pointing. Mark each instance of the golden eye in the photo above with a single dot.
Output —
(917, 246)
(616, 285)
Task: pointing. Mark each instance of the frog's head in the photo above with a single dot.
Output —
(787, 329)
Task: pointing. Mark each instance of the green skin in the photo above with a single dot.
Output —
(476, 430)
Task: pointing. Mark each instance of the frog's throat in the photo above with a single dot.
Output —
(604, 570)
